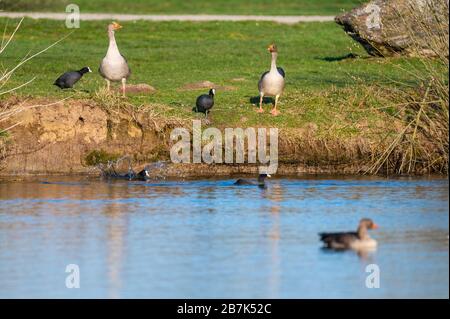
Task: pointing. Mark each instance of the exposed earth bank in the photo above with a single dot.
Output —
(74, 136)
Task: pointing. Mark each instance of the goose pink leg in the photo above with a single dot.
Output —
(260, 110)
(124, 84)
(274, 111)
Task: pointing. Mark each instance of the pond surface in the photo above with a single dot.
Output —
(211, 239)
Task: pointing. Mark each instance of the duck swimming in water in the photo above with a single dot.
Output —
(260, 182)
(358, 240)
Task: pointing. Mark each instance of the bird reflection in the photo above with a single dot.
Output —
(116, 231)
(275, 195)
(365, 254)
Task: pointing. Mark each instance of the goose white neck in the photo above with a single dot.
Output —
(273, 66)
(113, 50)
(362, 232)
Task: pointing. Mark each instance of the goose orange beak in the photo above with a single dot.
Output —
(116, 26)
(374, 226)
(272, 48)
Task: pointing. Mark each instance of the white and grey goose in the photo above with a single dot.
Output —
(272, 82)
(114, 66)
(359, 240)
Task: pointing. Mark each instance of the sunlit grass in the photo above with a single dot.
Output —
(257, 7)
(320, 85)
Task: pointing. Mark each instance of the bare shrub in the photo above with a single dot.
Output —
(9, 110)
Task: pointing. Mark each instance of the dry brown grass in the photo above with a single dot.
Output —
(10, 110)
(6, 73)
(421, 146)
(156, 116)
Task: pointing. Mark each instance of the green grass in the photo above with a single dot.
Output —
(320, 88)
(258, 7)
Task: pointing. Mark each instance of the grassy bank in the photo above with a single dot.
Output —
(340, 99)
(171, 55)
(253, 7)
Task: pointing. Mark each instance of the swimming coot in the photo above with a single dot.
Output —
(142, 175)
(260, 182)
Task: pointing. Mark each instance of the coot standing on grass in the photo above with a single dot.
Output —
(205, 102)
(260, 182)
(358, 240)
(68, 79)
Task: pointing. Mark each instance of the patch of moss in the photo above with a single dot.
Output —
(4, 134)
(96, 157)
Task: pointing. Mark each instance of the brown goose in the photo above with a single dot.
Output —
(114, 66)
(351, 240)
(272, 82)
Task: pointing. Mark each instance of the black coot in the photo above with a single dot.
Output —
(142, 175)
(68, 79)
(131, 175)
(205, 102)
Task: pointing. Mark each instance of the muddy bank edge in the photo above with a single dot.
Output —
(72, 137)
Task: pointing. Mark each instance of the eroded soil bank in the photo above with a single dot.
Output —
(72, 136)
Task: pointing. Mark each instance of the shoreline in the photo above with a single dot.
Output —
(73, 137)
(171, 170)
(224, 174)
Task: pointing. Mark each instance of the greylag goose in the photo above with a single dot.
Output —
(272, 82)
(114, 66)
(260, 182)
(68, 79)
(205, 102)
(358, 240)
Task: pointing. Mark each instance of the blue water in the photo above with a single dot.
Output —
(211, 239)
